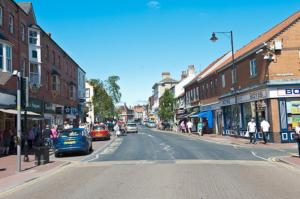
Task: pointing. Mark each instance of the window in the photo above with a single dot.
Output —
(34, 54)
(23, 32)
(34, 74)
(11, 24)
(58, 60)
(23, 68)
(55, 83)
(233, 76)
(5, 57)
(33, 37)
(8, 58)
(87, 93)
(223, 81)
(72, 92)
(1, 16)
(1, 57)
(253, 67)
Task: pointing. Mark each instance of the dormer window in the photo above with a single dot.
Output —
(33, 37)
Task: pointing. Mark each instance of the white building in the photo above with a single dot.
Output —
(89, 93)
(159, 89)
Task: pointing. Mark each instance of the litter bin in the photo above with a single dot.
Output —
(41, 154)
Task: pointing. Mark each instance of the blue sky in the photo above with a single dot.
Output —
(139, 39)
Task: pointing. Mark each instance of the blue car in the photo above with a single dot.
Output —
(73, 141)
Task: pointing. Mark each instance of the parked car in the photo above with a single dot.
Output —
(131, 128)
(100, 131)
(73, 140)
(151, 124)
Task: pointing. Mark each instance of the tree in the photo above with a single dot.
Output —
(102, 101)
(166, 106)
(113, 88)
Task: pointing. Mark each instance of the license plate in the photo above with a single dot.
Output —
(99, 134)
(69, 142)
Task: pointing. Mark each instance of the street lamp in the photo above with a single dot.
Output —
(214, 38)
(18, 141)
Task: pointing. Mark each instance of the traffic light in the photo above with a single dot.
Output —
(24, 92)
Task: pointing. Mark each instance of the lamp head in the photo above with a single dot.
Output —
(213, 37)
(15, 73)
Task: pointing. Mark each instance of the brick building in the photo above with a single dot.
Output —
(52, 73)
(267, 84)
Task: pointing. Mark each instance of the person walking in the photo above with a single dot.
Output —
(265, 129)
(182, 125)
(53, 135)
(31, 138)
(7, 139)
(297, 137)
(251, 128)
(199, 126)
(190, 127)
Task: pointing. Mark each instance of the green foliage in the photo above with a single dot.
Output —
(102, 101)
(166, 106)
(113, 88)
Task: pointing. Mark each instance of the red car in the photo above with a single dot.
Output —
(100, 131)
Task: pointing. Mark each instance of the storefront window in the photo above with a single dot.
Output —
(231, 118)
(248, 113)
(293, 113)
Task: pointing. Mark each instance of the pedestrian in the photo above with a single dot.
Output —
(66, 125)
(53, 135)
(31, 138)
(7, 139)
(182, 125)
(297, 137)
(199, 128)
(265, 129)
(117, 130)
(251, 128)
(1, 142)
(190, 127)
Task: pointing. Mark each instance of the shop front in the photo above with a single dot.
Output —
(288, 100)
(7, 121)
(70, 115)
(249, 105)
(214, 112)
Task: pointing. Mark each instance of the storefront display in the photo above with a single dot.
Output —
(293, 113)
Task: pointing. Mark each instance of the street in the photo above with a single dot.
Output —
(153, 164)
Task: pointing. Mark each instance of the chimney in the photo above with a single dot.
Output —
(166, 75)
(49, 34)
(191, 70)
(183, 75)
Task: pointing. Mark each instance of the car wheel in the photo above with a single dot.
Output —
(56, 155)
(108, 138)
(91, 148)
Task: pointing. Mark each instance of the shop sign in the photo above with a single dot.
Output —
(70, 110)
(7, 100)
(288, 92)
(35, 105)
(249, 97)
(49, 107)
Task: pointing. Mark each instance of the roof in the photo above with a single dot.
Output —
(26, 6)
(265, 37)
(168, 80)
(210, 68)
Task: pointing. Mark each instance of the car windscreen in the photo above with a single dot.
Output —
(99, 127)
(73, 133)
(131, 125)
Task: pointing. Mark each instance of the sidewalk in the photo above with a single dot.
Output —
(9, 178)
(235, 140)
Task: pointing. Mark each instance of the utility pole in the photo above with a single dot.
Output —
(18, 141)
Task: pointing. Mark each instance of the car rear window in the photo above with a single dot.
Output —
(131, 125)
(99, 127)
(70, 133)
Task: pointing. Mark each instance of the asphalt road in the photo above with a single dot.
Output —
(169, 166)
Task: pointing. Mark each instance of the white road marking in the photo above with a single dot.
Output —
(151, 136)
(109, 150)
(254, 154)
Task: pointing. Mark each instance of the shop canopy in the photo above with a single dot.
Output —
(15, 112)
(208, 115)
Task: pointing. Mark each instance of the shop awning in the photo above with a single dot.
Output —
(208, 115)
(14, 112)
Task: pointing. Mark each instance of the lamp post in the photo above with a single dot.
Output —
(234, 73)
(18, 140)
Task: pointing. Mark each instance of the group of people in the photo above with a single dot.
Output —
(34, 136)
(186, 127)
(252, 130)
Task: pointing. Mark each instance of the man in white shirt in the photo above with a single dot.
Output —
(251, 128)
(190, 126)
(265, 129)
(297, 136)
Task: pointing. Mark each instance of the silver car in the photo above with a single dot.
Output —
(131, 128)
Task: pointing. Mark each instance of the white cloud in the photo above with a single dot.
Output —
(153, 4)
